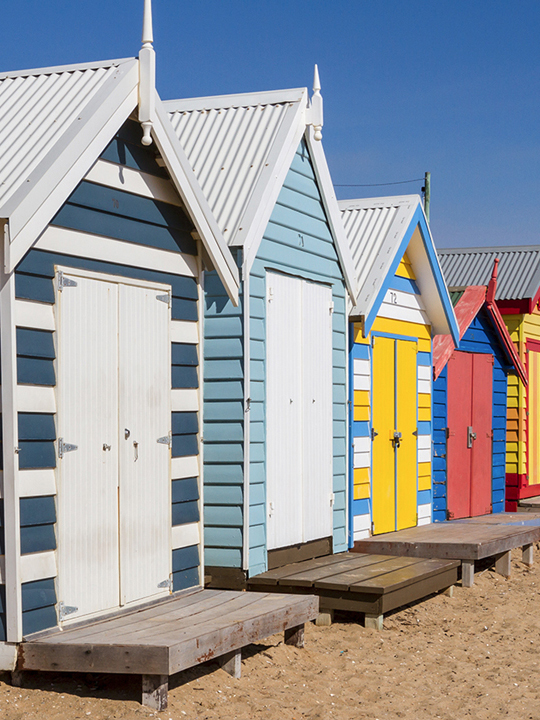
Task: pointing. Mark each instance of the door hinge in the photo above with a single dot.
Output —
(164, 298)
(270, 509)
(64, 610)
(374, 434)
(165, 440)
(63, 281)
(331, 307)
(332, 499)
(64, 448)
(166, 584)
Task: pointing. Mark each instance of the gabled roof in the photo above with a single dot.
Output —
(469, 304)
(241, 148)
(380, 230)
(54, 123)
(519, 269)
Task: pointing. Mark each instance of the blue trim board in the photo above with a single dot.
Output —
(424, 497)
(360, 428)
(392, 336)
(361, 507)
(423, 427)
(424, 358)
(404, 284)
(359, 351)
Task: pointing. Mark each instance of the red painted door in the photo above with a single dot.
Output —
(469, 444)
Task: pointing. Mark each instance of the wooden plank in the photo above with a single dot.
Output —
(272, 577)
(348, 564)
(404, 576)
(188, 606)
(129, 659)
(417, 591)
(360, 578)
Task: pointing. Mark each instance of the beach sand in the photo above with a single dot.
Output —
(475, 655)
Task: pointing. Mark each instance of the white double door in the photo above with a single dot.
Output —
(114, 508)
(299, 411)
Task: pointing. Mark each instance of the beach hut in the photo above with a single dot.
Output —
(104, 235)
(517, 297)
(275, 366)
(469, 407)
(402, 303)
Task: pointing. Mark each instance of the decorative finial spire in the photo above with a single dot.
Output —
(147, 76)
(492, 286)
(147, 31)
(316, 106)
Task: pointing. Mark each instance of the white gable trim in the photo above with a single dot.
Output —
(57, 69)
(322, 173)
(32, 206)
(196, 204)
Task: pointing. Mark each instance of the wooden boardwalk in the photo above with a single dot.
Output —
(170, 636)
(370, 584)
(466, 540)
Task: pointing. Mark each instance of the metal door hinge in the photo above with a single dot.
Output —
(63, 281)
(332, 499)
(470, 436)
(374, 434)
(164, 298)
(64, 448)
(331, 307)
(165, 440)
(270, 509)
(64, 610)
(166, 584)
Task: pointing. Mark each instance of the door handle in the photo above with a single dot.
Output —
(396, 439)
(136, 450)
(470, 436)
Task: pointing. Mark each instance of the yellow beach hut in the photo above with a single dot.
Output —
(402, 303)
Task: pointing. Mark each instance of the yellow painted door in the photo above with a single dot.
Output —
(395, 463)
(384, 483)
(407, 452)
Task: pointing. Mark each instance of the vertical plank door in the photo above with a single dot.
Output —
(383, 424)
(284, 410)
(482, 425)
(144, 419)
(406, 424)
(459, 418)
(87, 396)
(317, 443)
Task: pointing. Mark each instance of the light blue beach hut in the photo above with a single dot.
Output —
(275, 366)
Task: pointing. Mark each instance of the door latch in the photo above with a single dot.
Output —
(470, 436)
(396, 439)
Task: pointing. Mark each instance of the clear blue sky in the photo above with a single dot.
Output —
(450, 86)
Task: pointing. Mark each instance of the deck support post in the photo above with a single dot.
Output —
(16, 678)
(503, 564)
(527, 552)
(325, 618)
(155, 691)
(373, 622)
(467, 573)
(232, 663)
(449, 592)
(295, 636)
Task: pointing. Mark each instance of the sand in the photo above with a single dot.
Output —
(475, 655)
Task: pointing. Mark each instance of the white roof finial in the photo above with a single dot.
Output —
(147, 31)
(316, 106)
(147, 76)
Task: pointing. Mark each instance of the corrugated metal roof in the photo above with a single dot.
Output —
(518, 274)
(36, 108)
(228, 141)
(374, 227)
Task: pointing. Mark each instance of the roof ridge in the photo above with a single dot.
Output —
(210, 102)
(490, 249)
(64, 68)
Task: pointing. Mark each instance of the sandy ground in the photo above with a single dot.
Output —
(475, 655)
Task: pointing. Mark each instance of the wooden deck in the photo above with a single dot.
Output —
(369, 584)
(466, 540)
(170, 636)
